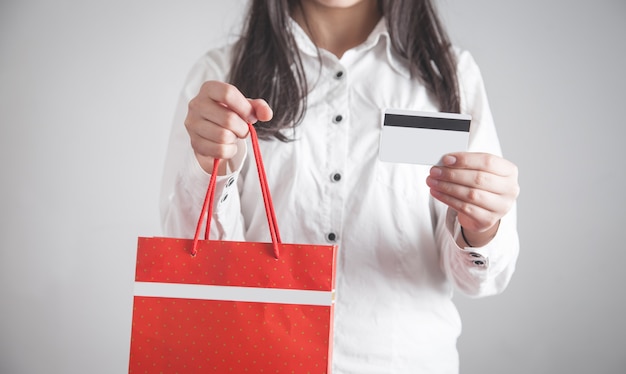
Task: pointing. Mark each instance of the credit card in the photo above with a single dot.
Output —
(416, 137)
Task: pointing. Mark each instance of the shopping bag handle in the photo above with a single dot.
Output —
(207, 206)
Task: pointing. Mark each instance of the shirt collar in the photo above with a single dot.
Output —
(380, 32)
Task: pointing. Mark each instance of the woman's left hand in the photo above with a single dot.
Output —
(480, 187)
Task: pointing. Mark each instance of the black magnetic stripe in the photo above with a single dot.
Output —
(451, 124)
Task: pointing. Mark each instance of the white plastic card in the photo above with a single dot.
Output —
(416, 137)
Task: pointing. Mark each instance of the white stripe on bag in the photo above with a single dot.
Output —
(232, 293)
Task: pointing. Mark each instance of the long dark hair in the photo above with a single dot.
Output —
(267, 50)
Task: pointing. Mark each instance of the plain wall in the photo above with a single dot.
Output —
(87, 94)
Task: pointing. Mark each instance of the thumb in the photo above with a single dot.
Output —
(261, 110)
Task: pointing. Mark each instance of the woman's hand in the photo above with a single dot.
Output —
(217, 117)
(480, 187)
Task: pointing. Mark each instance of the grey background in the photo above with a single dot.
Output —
(87, 93)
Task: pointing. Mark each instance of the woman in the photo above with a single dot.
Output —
(317, 75)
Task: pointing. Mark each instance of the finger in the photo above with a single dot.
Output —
(262, 110)
(474, 179)
(480, 161)
(229, 96)
(210, 150)
(470, 216)
(461, 194)
(223, 105)
(214, 133)
(207, 113)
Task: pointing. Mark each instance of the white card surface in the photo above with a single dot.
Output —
(416, 137)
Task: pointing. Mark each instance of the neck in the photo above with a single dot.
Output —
(337, 29)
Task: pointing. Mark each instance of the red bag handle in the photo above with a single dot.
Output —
(207, 206)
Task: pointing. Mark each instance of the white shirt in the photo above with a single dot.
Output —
(398, 262)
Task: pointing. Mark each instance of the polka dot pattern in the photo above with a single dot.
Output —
(225, 263)
(171, 335)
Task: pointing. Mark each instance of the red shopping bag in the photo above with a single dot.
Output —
(209, 306)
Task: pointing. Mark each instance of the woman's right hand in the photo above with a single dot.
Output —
(217, 117)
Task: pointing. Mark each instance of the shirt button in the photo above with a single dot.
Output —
(335, 177)
(224, 198)
(338, 118)
(339, 74)
(231, 180)
(332, 237)
(478, 260)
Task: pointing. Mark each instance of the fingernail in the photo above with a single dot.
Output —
(436, 172)
(431, 182)
(449, 160)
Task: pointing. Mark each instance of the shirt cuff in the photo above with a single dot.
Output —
(197, 180)
(496, 253)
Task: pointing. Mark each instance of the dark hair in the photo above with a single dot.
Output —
(267, 50)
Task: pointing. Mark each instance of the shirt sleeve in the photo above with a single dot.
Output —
(487, 270)
(184, 184)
